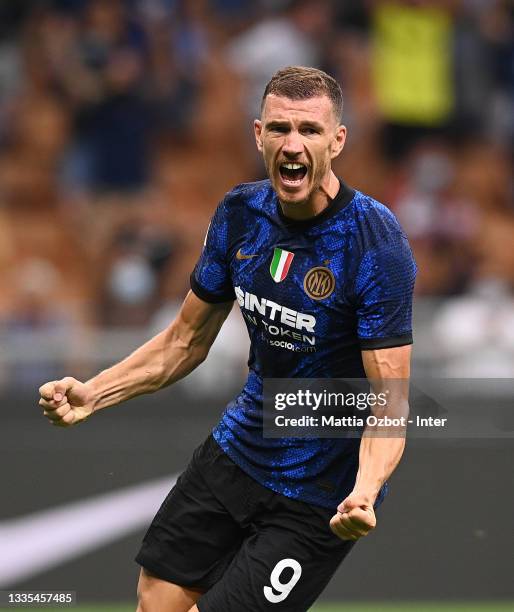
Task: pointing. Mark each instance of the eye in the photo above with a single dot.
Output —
(309, 131)
(280, 129)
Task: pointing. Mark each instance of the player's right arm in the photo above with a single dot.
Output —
(161, 361)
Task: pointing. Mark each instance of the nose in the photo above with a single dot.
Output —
(293, 145)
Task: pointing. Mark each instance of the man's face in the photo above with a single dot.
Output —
(298, 139)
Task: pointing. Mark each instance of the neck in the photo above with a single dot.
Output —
(317, 202)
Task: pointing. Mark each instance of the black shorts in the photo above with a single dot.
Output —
(246, 547)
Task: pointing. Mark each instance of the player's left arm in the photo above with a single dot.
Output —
(381, 448)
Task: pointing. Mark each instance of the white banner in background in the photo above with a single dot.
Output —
(43, 540)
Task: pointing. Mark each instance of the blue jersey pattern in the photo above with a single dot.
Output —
(295, 329)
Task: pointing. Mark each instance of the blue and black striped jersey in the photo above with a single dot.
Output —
(313, 294)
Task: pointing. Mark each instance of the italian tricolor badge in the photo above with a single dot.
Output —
(280, 264)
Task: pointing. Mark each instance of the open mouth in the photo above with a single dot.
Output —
(292, 173)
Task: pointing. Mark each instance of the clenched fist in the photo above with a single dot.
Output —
(66, 402)
(354, 519)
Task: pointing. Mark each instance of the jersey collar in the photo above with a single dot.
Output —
(343, 197)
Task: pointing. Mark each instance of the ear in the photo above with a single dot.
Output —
(338, 141)
(257, 128)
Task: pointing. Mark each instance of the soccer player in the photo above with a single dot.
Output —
(323, 275)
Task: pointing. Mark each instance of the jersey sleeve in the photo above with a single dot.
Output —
(384, 288)
(210, 279)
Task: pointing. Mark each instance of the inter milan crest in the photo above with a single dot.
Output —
(319, 283)
(280, 264)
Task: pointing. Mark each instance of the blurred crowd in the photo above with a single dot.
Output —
(122, 123)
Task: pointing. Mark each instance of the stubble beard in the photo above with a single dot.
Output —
(315, 182)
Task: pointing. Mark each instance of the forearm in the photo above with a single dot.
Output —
(382, 446)
(378, 458)
(162, 361)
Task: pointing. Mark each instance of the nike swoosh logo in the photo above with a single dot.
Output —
(240, 255)
(43, 540)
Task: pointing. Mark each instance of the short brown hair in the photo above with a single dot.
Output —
(301, 83)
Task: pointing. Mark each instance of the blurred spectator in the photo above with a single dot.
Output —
(33, 150)
(134, 267)
(40, 323)
(100, 67)
(10, 77)
(412, 70)
(484, 77)
(178, 50)
(440, 223)
(294, 36)
(474, 334)
(7, 257)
